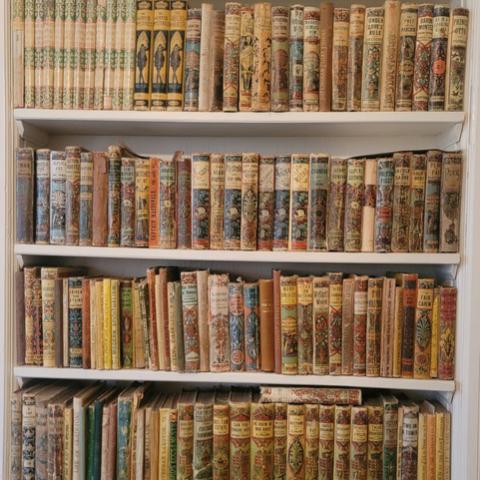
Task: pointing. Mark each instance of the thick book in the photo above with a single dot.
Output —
(288, 316)
(311, 64)
(355, 57)
(190, 321)
(341, 23)
(305, 324)
(401, 201)
(341, 449)
(24, 195)
(314, 395)
(317, 202)
(249, 219)
(262, 418)
(231, 56)
(418, 169)
(281, 212)
(295, 67)
(299, 202)
(246, 59)
(360, 306)
(192, 60)
(280, 52)
(431, 225)
(446, 333)
(359, 442)
(42, 196)
(265, 290)
(295, 441)
(232, 203)
(200, 201)
(217, 194)
(240, 434)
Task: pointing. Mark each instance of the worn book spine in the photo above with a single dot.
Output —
(48, 46)
(417, 202)
(185, 418)
(59, 54)
(316, 395)
(236, 323)
(423, 48)
(29, 52)
(246, 59)
(30, 312)
(360, 302)
(72, 195)
(154, 203)
(317, 202)
(280, 441)
(295, 441)
(406, 57)
(249, 219)
(431, 225)
(456, 59)
(262, 418)
(75, 351)
(19, 322)
(100, 200)
(90, 54)
(127, 207)
(240, 431)
(281, 213)
(231, 56)
(387, 319)
(28, 436)
(221, 441)
(320, 325)
(266, 201)
(408, 447)
(354, 194)
(446, 333)
(18, 52)
(305, 324)
(335, 323)
(252, 326)
(38, 319)
(390, 427)
(374, 319)
(326, 437)
(288, 318)
(200, 201)
(184, 202)
(280, 62)
(369, 206)
(265, 291)
(295, 68)
(397, 332)
(107, 323)
(216, 85)
(401, 201)
(232, 202)
(129, 54)
(79, 59)
(297, 239)
(359, 442)
(205, 83)
(39, 16)
(24, 187)
(347, 326)
(372, 59)
(409, 283)
(119, 57)
(202, 440)
(341, 23)
(326, 45)
(375, 439)
(100, 49)
(175, 326)
(190, 321)
(114, 198)
(192, 60)
(341, 451)
(311, 441)
(311, 52)
(167, 228)
(57, 197)
(158, 355)
(217, 194)
(337, 172)
(355, 57)
(126, 317)
(384, 204)
(16, 436)
(141, 201)
(85, 199)
(48, 317)
(450, 200)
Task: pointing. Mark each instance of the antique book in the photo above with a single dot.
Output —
(154, 202)
(203, 435)
(79, 52)
(118, 67)
(29, 52)
(185, 416)
(192, 60)
(450, 200)
(90, 55)
(295, 441)
(156, 323)
(360, 293)
(183, 206)
(18, 50)
(311, 58)
(218, 34)
(252, 326)
(317, 395)
(32, 317)
(245, 59)
(281, 212)
(126, 317)
(289, 316)
(25, 169)
(407, 453)
(431, 225)
(262, 418)
(57, 197)
(221, 436)
(390, 427)
(248, 232)
(42, 195)
(297, 239)
(326, 44)
(162, 316)
(127, 205)
(337, 173)
(326, 436)
(232, 202)
(231, 56)
(369, 206)
(130, 55)
(280, 62)
(456, 59)
(374, 466)
(341, 23)
(373, 331)
(48, 45)
(320, 325)
(384, 204)
(409, 284)
(206, 73)
(387, 326)
(240, 434)
(341, 450)
(277, 327)
(280, 441)
(355, 57)
(190, 321)
(438, 58)
(317, 202)
(236, 323)
(99, 202)
(359, 442)
(426, 410)
(175, 327)
(401, 202)
(372, 58)
(406, 57)
(265, 291)
(72, 195)
(100, 49)
(311, 441)
(141, 201)
(85, 215)
(167, 228)
(347, 326)
(335, 324)
(39, 15)
(417, 201)
(217, 194)
(354, 193)
(262, 56)
(295, 68)
(19, 322)
(75, 322)
(107, 323)
(388, 67)
(446, 333)
(423, 47)
(114, 162)
(397, 332)
(305, 324)
(200, 201)
(266, 202)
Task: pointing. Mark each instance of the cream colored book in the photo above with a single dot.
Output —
(18, 52)
(90, 53)
(48, 52)
(29, 65)
(39, 18)
(129, 55)
(110, 54)
(69, 54)
(100, 54)
(79, 46)
(93, 326)
(107, 323)
(117, 97)
(115, 315)
(205, 87)
(99, 322)
(59, 54)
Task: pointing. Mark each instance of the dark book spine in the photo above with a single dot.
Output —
(57, 198)
(75, 351)
(192, 59)
(355, 58)
(374, 324)
(42, 196)
(218, 34)
(355, 190)
(360, 302)
(317, 202)
(142, 191)
(336, 203)
(114, 198)
(126, 317)
(281, 213)
(408, 332)
(200, 201)
(167, 225)
(20, 318)
(252, 326)
(401, 199)
(280, 51)
(299, 202)
(232, 202)
(86, 199)
(341, 23)
(266, 193)
(375, 439)
(320, 325)
(217, 198)
(184, 202)
(100, 200)
(431, 225)
(72, 195)
(384, 204)
(86, 324)
(236, 322)
(335, 324)
(417, 202)
(295, 94)
(447, 324)
(127, 208)
(342, 442)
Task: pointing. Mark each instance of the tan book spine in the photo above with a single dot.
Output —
(305, 325)
(435, 333)
(39, 17)
(90, 54)
(355, 57)
(100, 56)
(288, 318)
(354, 194)
(387, 328)
(48, 52)
(326, 438)
(79, 46)
(217, 190)
(280, 51)
(99, 323)
(93, 325)
(377, 444)
(29, 53)
(68, 443)
(397, 333)
(341, 451)
(311, 441)
(119, 62)
(326, 44)
(369, 204)
(347, 326)
(205, 89)
(320, 325)
(231, 56)
(423, 328)
(295, 58)
(110, 54)
(280, 441)
(341, 23)
(203, 326)
(335, 324)
(359, 442)
(262, 440)
(218, 35)
(295, 442)
(267, 363)
(246, 59)
(69, 55)
(129, 54)
(18, 52)
(311, 58)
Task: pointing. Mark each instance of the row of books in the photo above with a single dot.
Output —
(65, 431)
(161, 55)
(396, 202)
(194, 321)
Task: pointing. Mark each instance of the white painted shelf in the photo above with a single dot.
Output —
(238, 256)
(240, 124)
(243, 378)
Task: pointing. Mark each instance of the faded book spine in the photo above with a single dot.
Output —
(100, 200)
(192, 60)
(408, 446)
(311, 64)
(359, 442)
(266, 199)
(24, 195)
(341, 23)
(311, 441)
(387, 333)
(335, 324)
(369, 205)
(175, 326)
(29, 53)
(375, 439)
(240, 440)
(246, 59)
(320, 325)
(114, 198)
(30, 313)
(190, 321)
(39, 15)
(48, 42)
(126, 317)
(218, 34)
(86, 199)
(75, 358)
(200, 201)
(18, 51)
(299, 202)
(354, 194)
(183, 206)
(431, 225)
(281, 213)
(90, 54)
(384, 204)
(305, 324)
(217, 194)
(232, 202)
(280, 441)
(417, 202)
(326, 437)
(326, 43)
(267, 352)
(185, 418)
(360, 302)
(401, 201)
(355, 58)
(295, 441)
(221, 439)
(341, 450)
(374, 324)
(347, 326)
(153, 202)
(409, 282)
(167, 231)
(390, 427)
(79, 58)
(202, 440)
(252, 326)
(336, 203)
(446, 333)
(231, 56)
(100, 49)
(295, 85)
(236, 323)
(57, 198)
(248, 232)
(72, 195)
(317, 202)
(127, 208)
(280, 62)
(142, 188)
(42, 196)
(288, 318)
(262, 440)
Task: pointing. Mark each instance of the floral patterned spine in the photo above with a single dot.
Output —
(190, 321)
(409, 283)
(48, 53)
(316, 395)
(86, 199)
(72, 195)
(280, 51)
(79, 59)
(100, 54)
(183, 207)
(114, 195)
(240, 435)
(359, 442)
(446, 345)
(18, 51)
(347, 326)
(252, 326)
(31, 277)
(326, 437)
(142, 191)
(326, 44)
(295, 442)
(217, 194)
(266, 199)
(192, 60)
(203, 436)
(24, 194)
(401, 199)
(360, 297)
(311, 58)
(320, 325)
(417, 202)
(280, 442)
(374, 319)
(221, 437)
(39, 17)
(408, 447)
(29, 53)
(369, 205)
(353, 204)
(281, 213)
(57, 197)
(431, 225)
(375, 438)
(288, 316)
(248, 233)
(153, 202)
(185, 416)
(126, 323)
(262, 440)
(390, 427)
(100, 199)
(233, 201)
(335, 324)
(317, 202)
(311, 442)
(336, 203)
(387, 328)
(384, 204)
(295, 75)
(200, 200)
(299, 202)
(246, 59)
(305, 324)
(167, 224)
(231, 56)
(355, 56)
(127, 210)
(75, 322)
(341, 451)
(341, 22)
(236, 322)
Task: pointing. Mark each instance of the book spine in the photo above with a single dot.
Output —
(114, 198)
(30, 278)
(231, 56)
(190, 321)
(130, 54)
(236, 322)
(184, 202)
(397, 332)
(202, 441)
(280, 62)
(341, 450)
(141, 202)
(359, 442)
(39, 17)
(262, 57)
(127, 208)
(48, 43)
(387, 326)
(336, 203)
(281, 212)
(57, 198)
(295, 441)
(119, 54)
(341, 22)
(184, 442)
(154, 203)
(61, 312)
(267, 361)
(347, 326)
(408, 334)
(408, 448)
(79, 59)
(262, 440)
(29, 53)
(216, 85)
(19, 322)
(18, 51)
(280, 441)
(206, 69)
(317, 203)
(406, 57)
(248, 231)
(157, 356)
(86, 199)
(42, 196)
(72, 195)
(384, 204)
(299, 202)
(311, 441)
(401, 199)
(240, 440)
(423, 329)
(369, 205)
(221, 437)
(327, 396)
(246, 59)
(24, 195)
(355, 58)
(266, 200)
(446, 334)
(311, 46)
(320, 325)
(28, 436)
(107, 323)
(456, 56)
(75, 302)
(100, 200)
(252, 326)
(90, 54)
(232, 202)
(354, 194)
(417, 202)
(192, 59)
(335, 324)
(288, 315)
(326, 46)
(390, 427)
(295, 67)
(374, 319)
(326, 437)
(375, 440)
(200, 201)
(166, 211)
(423, 48)
(126, 317)
(217, 198)
(49, 335)
(38, 319)
(372, 59)
(305, 324)
(100, 54)
(438, 445)
(431, 226)
(16, 459)
(175, 327)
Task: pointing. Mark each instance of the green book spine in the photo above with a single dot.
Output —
(90, 54)
(100, 54)
(90, 440)
(79, 46)
(59, 54)
(124, 416)
(97, 448)
(48, 53)
(172, 451)
(110, 54)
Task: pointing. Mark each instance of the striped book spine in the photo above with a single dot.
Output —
(100, 54)
(129, 54)
(29, 53)
(192, 59)
(90, 55)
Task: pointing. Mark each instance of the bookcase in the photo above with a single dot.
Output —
(337, 133)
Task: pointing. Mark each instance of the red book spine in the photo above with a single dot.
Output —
(448, 318)
(153, 219)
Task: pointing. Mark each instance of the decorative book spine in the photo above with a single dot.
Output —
(48, 43)
(305, 325)
(200, 201)
(401, 202)
(90, 54)
(280, 51)
(18, 52)
(408, 447)
(326, 44)
(221, 439)
(336, 203)
(320, 325)
(231, 56)
(236, 322)
(446, 333)
(355, 58)
(114, 198)
(79, 59)
(341, 22)
(218, 37)
(423, 47)
(375, 439)
(295, 73)
(374, 319)
(126, 317)
(176, 53)
(202, 440)
(190, 321)
(456, 60)
(158, 352)
(86, 199)
(154, 203)
(295, 441)
(335, 324)
(409, 283)
(372, 58)
(166, 212)
(252, 326)
(360, 302)
(57, 198)
(431, 225)
(326, 437)
(72, 195)
(353, 204)
(75, 322)
(203, 328)
(387, 326)
(298, 202)
(262, 440)
(266, 200)
(265, 290)
(248, 232)
(384, 204)
(417, 202)
(127, 195)
(119, 55)
(100, 200)
(185, 420)
(397, 332)
(359, 442)
(192, 59)
(141, 201)
(406, 57)
(438, 58)
(347, 326)
(184, 202)
(217, 193)
(232, 201)
(262, 57)
(317, 202)
(341, 451)
(390, 427)
(311, 441)
(206, 70)
(450, 200)
(281, 213)
(28, 436)
(175, 326)
(246, 59)
(100, 55)
(29, 53)
(39, 16)
(288, 315)
(369, 205)
(24, 195)
(311, 55)
(49, 335)
(42, 196)
(30, 312)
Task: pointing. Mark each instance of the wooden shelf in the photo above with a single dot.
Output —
(243, 378)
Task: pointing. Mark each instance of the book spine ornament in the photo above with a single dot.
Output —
(353, 204)
(280, 441)
(387, 326)
(262, 440)
(129, 53)
(355, 58)
(326, 44)
(248, 233)
(446, 346)
(221, 441)
(409, 282)
(39, 15)
(240, 432)
(166, 212)
(202, 441)
(29, 53)
(374, 324)
(267, 347)
(326, 437)
(320, 325)
(24, 195)
(408, 446)
(232, 201)
(375, 439)
(303, 395)
(299, 202)
(218, 37)
(335, 323)
(288, 318)
(75, 322)
(90, 54)
(57, 198)
(295, 75)
(190, 321)
(217, 197)
(100, 37)
(311, 64)
(359, 442)
(114, 195)
(30, 312)
(79, 59)
(86, 199)
(341, 450)
(311, 442)
(142, 188)
(317, 201)
(417, 202)
(127, 210)
(252, 326)
(372, 58)
(431, 225)
(360, 303)
(192, 60)
(236, 322)
(341, 22)
(281, 213)
(266, 199)
(246, 59)
(390, 427)
(185, 418)
(72, 195)
(231, 56)
(401, 201)
(336, 203)
(369, 205)
(100, 200)
(384, 204)
(154, 202)
(347, 326)
(48, 42)
(305, 324)
(280, 62)
(200, 201)
(295, 441)
(184, 202)
(126, 323)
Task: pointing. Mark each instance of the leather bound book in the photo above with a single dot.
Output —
(266, 200)
(354, 194)
(341, 23)
(58, 198)
(326, 43)
(390, 427)
(369, 205)
(185, 416)
(289, 331)
(335, 323)
(252, 326)
(190, 321)
(295, 441)
(387, 333)
(359, 442)
(418, 169)
(153, 202)
(236, 323)
(232, 214)
(72, 195)
(262, 417)
(311, 441)
(341, 450)
(355, 57)
(280, 441)
(374, 315)
(267, 361)
(431, 225)
(100, 195)
(218, 34)
(114, 194)
(24, 195)
(86, 199)
(407, 453)
(375, 437)
(248, 232)
(280, 62)
(277, 332)
(311, 58)
(295, 68)
(200, 201)
(42, 196)
(360, 302)
(326, 437)
(347, 325)
(246, 59)
(384, 204)
(221, 436)
(240, 432)
(231, 56)
(336, 203)
(142, 201)
(203, 435)
(167, 225)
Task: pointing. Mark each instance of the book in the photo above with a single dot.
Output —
(289, 319)
(78, 89)
(249, 219)
(262, 417)
(341, 23)
(401, 199)
(221, 436)
(42, 195)
(114, 163)
(38, 22)
(90, 54)
(99, 202)
(183, 204)
(85, 217)
(185, 408)
(29, 51)
(190, 321)
(369, 206)
(373, 329)
(200, 201)
(335, 303)
(217, 196)
(72, 195)
(277, 327)
(407, 454)
(317, 202)
(232, 202)
(252, 326)
(305, 324)
(311, 441)
(359, 442)
(218, 34)
(354, 192)
(266, 200)
(311, 395)
(295, 68)
(320, 325)
(409, 283)
(245, 59)
(265, 290)
(336, 203)
(236, 323)
(48, 46)
(57, 197)
(326, 46)
(203, 435)
(203, 325)
(231, 56)
(24, 195)
(206, 72)
(326, 440)
(175, 327)
(387, 328)
(280, 441)
(311, 58)
(341, 450)
(280, 58)
(355, 57)
(141, 201)
(295, 441)
(347, 326)
(100, 54)
(299, 202)
(127, 196)
(167, 226)
(384, 202)
(240, 434)
(191, 71)
(281, 212)
(446, 333)
(417, 200)
(431, 226)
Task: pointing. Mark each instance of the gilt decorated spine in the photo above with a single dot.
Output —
(401, 201)
(190, 321)
(359, 442)
(24, 195)
(142, 186)
(288, 315)
(246, 59)
(266, 194)
(236, 323)
(326, 437)
(281, 213)
(86, 199)
(374, 315)
(57, 197)
(341, 451)
(127, 210)
(336, 203)
(167, 228)
(431, 226)
(114, 195)
(446, 334)
(29, 53)
(384, 204)
(409, 283)
(360, 304)
(262, 440)
(248, 232)
(217, 194)
(335, 324)
(252, 326)
(305, 324)
(295, 441)
(417, 202)
(369, 205)
(200, 201)
(183, 206)
(326, 44)
(320, 325)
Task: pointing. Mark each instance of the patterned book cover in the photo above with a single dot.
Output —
(295, 441)
(154, 202)
(24, 195)
(262, 418)
(375, 437)
(418, 169)
(203, 435)
(48, 46)
(266, 201)
(107, 321)
(280, 51)
(265, 290)
(127, 207)
(206, 66)
(252, 326)
(335, 324)
(280, 441)
(100, 54)
(326, 435)
(401, 201)
(409, 284)
(450, 200)
(221, 437)
(39, 16)
(29, 53)
(311, 58)
(217, 194)
(236, 323)
(126, 317)
(16, 436)
(167, 228)
(119, 54)
(317, 202)
(148, 341)
(354, 194)
(431, 225)
(130, 55)
(388, 68)
(408, 447)
(317, 395)
(75, 358)
(175, 326)
(79, 52)
(218, 34)
(360, 302)
(262, 56)
(245, 59)
(19, 318)
(288, 316)
(158, 357)
(305, 324)
(190, 321)
(57, 197)
(326, 44)
(240, 435)
(90, 54)
(281, 212)
(203, 326)
(355, 57)
(100, 200)
(341, 450)
(31, 277)
(438, 58)
(72, 195)
(397, 332)
(347, 325)
(406, 57)
(456, 60)
(336, 203)
(192, 59)
(423, 48)
(295, 65)
(232, 201)
(248, 231)
(231, 58)
(141, 201)
(384, 204)
(372, 58)
(18, 51)
(446, 333)
(277, 324)
(297, 239)
(114, 195)
(86, 199)
(387, 328)
(390, 427)
(320, 325)
(341, 23)
(359, 442)
(200, 201)
(374, 319)
(185, 419)
(184, 202)
(311, 441)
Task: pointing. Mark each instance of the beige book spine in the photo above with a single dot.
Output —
(203, 327)
(48, 53)
(129, 54)
(311, 52)
(59, 54)
(39, 16)
(100, 54)
(368, 209)
(69, 52)
(93, 325)
(29, 53)
(341, 23)
(397, 333)
(109, 72)
(119, 69)
(90, 54)
(79, 46)
(246, 59)
(18, 51)
(205, 89)
(355, 55)
(99, 322)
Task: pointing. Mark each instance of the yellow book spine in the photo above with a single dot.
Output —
(164, 444)
(439, 445)
(116, 335)
(99, 323)
(67, 443)
(93, 326)
(107, 323)
(435, 325)
(422, 447)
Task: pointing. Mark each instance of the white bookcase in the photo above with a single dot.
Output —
(335, 133)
